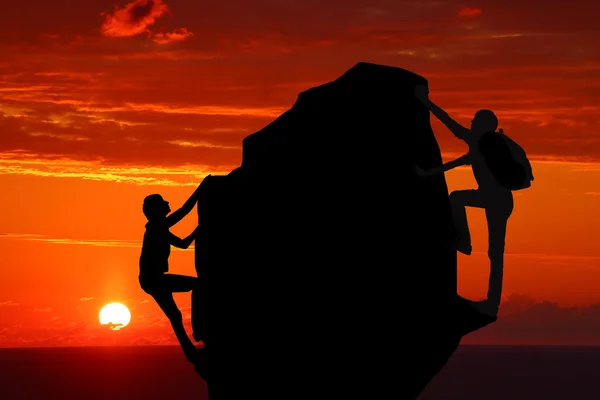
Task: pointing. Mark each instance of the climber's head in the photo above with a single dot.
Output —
(155, 207)
(484, 121)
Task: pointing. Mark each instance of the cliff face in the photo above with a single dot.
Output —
(327, 261)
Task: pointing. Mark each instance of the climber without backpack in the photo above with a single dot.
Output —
(499, 165)
(154, 278)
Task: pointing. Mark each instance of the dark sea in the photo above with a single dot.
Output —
(116, 373)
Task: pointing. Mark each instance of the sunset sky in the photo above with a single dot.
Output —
(104, 102)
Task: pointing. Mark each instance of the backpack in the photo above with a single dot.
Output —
(507, 160)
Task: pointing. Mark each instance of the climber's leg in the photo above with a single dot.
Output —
(497, 218)
(497, 215)
(459, 199)
(167, 304)
(161, 288)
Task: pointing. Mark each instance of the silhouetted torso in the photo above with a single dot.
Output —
(156, 249)
(484, 177)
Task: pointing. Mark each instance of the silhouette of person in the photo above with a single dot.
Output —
(490, 195)
(154, 262)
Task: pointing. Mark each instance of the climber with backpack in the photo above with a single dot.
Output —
(500, 166)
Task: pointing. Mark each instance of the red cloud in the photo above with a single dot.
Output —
(134, 18)
(169, 37)
(469, 12)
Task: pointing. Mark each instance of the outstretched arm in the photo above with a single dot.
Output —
(182, 243)
(185, 209)
(463, 160)
(422, 93)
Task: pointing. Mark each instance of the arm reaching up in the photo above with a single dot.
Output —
(462, 160)
(185, 209)
(422, 93)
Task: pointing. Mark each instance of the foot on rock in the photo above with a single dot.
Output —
(485, 307)
(191, 353)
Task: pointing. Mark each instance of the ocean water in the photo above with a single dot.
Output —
(473, 373)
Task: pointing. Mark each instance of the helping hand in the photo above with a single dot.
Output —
(422, 92)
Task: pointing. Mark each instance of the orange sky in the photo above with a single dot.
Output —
(100, 102)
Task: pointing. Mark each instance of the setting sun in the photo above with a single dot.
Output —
(115, 315)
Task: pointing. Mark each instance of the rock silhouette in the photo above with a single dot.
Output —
(326, 261)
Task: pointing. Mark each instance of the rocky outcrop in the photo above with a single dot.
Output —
(327, 262)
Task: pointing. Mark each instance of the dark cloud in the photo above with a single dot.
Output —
(524, 320)
(521, 320)
(137, 17)
(73, 93)
(134, 18)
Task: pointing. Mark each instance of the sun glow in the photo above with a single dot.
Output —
(115, 315)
